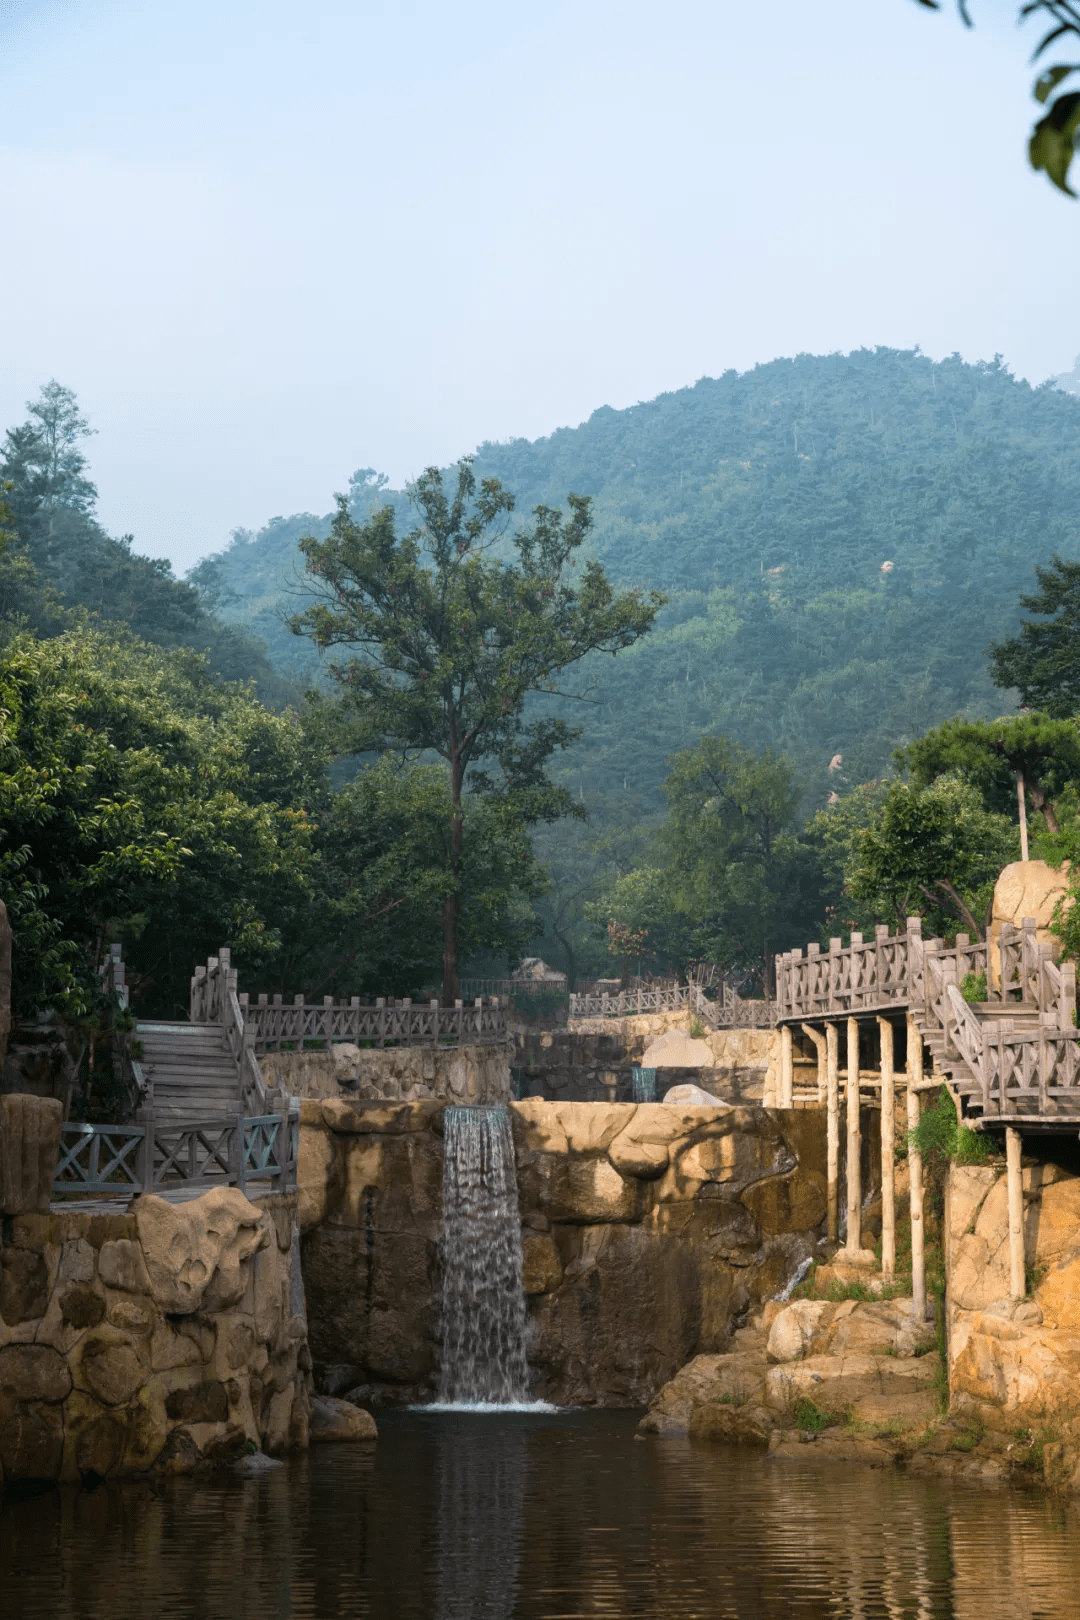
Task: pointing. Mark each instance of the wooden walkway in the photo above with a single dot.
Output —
(1012, 1056)
(730, 1012)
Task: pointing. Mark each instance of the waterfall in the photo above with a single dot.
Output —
(482, 1350)
(644, 1084)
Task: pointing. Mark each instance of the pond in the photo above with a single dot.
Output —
(535, 1516)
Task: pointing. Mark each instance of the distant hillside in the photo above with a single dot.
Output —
(841, 536)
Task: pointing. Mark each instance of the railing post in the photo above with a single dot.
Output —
(146, 1149)
(1014, 1175)
(237, 1167)
(915, 1169)
(832, 1104)
(888, 1151)
(835, 947)
(854, 1139)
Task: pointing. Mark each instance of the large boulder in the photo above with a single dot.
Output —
(1028, 889)
(195, 1252)
(29, 1142)
(37, 1063)
(334, 1419)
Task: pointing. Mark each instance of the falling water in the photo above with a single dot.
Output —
(644, 1083)
(482, 1352)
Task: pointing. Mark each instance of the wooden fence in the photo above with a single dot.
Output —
(275, 1023)
(125, 1160)
(729, 1012)
(894, 970)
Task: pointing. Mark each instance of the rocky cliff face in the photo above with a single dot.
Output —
(150, 1338)
(649, 1232)
(459, 1074)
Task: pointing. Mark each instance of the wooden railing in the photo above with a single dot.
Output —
(124, 1160)
(214, 1000)
(276, 1023)
(904, 969)
(730, 1012)
(126, 1065)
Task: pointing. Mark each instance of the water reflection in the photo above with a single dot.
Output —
(539, 1517)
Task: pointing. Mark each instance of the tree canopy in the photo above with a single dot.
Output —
(1043, 662)
(451, 640)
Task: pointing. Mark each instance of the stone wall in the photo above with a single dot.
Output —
(1014, 1364)
(459, 1074)
(594, 1056)
(650, 1232)
(152, 1338)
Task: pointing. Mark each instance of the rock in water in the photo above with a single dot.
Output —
(482, 1355)
(334, 1419)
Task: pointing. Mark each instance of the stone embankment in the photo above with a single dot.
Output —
(650, 1231)
(592, 1059)
(155, 1338)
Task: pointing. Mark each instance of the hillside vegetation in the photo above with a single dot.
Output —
(839, 536)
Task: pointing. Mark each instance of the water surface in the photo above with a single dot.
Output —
(536, 1516)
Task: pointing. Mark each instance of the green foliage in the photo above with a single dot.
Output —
(973, 987)
(901, 850)
(811, 1418)
(450, 641)
(60, 569)
(941, 1139)
(990, 753)
(1043, 661)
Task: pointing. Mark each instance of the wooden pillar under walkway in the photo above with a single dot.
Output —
(819, 1047)
(832, 1128)
(854, 1140)
(888, 1151)
(1017, 1279)
(787, 1067)
(915, 1168)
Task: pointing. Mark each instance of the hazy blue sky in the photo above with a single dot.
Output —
(270, 243)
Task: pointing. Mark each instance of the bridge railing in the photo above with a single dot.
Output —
(729, 1012)
(125, 1160)
(275, 1023)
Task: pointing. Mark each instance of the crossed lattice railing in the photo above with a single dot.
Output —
(729, 1012)
(125, 1160)
(148, 1157)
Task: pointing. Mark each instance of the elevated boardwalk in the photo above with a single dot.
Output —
(1012, 1057)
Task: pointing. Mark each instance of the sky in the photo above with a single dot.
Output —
(268, 244)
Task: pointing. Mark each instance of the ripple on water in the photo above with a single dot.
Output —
(538, 1515)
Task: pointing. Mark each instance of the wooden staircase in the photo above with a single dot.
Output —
(190, 1072)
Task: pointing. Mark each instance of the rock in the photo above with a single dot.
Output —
(80, 1307)
(677, 1049)
(839, 1383)
(792, 1203)
(24, 1285)
(131, 1316)
(38, 1064)
(1028, 889)
(541, 1267)
(643, 1160)
(179, 1455)
(695, 1096)
(34, 1372)
(878, 1328)
(255, 1463)
(29, 1142)
(334, 1419)
(121, 1265)
(384, 1119)
(113, 1372)
(794, 1327)
(728, 1420)
(200, 1403)
(99, 1448)
(735, 1379)
(32, 1444)
(195, 1252)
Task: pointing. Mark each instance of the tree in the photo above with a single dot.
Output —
(1053, 139)
(1043, 661)
(451, 641)
(903, 850)
(1043, 753)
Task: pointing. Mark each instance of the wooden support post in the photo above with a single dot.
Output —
(888, 1151)
(832, 1103)
(1021, 798)
(854, 1140)
(787, 1075)
(918, 1245)
(1017, 1280)
(818, 1039)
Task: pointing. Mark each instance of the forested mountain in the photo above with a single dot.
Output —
(840, 537)
(58, 563)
